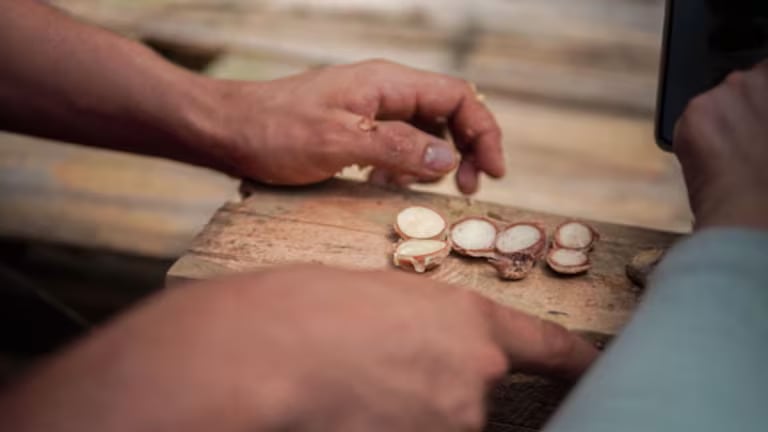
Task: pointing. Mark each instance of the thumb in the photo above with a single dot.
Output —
(534, 345)
(403, 149)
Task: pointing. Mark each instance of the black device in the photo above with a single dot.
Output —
(705, 40)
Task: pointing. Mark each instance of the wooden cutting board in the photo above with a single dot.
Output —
(349, 225)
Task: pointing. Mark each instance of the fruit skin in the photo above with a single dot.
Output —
(568, 269)
(420, 263)
(536, 250)
(474, 253)
(557, 243)
(440, 236)
(514, 267)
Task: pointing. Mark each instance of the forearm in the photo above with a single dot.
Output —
(144, 371)
(66, 80)
(694, 355)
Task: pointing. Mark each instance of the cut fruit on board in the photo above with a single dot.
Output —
(525, 237)
(420, 223)
(420, 255)
(575, 235)
(568, 261)
(514, 267)
(474, 237)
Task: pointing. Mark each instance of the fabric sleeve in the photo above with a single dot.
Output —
(695, 355)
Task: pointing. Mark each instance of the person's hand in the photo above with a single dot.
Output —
(306, 128)
(722, 143)
(302, 348)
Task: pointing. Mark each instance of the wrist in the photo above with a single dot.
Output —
(750, 212)
(197, 120)
(213, 127)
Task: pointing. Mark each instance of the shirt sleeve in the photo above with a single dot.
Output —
(695, 355)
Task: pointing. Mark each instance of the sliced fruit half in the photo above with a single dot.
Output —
(420, 255)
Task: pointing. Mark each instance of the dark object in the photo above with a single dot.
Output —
(704, 40)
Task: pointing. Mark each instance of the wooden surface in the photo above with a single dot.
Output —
(572, 82)
(106, 200)
(348, 225)
(573, 97)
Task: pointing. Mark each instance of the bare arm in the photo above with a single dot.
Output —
(300, 349)
(66, 80)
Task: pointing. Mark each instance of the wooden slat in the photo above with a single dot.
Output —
(100, 199)
(349, 225)
(586, 59)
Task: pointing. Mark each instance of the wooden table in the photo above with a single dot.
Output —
(348, 224)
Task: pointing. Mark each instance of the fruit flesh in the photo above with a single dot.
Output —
(474, 234)
(569, 258)
(420, 255)
(574, 235)
(420, 247)
(518, 238)
(420, 223)
(568, 261)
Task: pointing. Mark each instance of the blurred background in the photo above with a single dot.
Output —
(572, 83)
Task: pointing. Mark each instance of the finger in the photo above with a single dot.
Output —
(477, 134)
(435, 127)
(467, 177)
(403, 149)
(406, 94)
(380, 177)
(539, 346)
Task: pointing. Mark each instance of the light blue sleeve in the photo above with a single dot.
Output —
(695, 355)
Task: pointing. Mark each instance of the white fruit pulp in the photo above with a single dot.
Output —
(517, 238)
(420, 222)
(574, 235)
(419, 247)
(569, 258)
(474, 234)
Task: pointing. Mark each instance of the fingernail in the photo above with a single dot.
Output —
(439, 157)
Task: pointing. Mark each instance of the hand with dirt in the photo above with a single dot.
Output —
(722, 143)
(305, 128)
(304, 349)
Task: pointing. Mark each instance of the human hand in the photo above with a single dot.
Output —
(302, 348)
(722, 143)
(306, 128)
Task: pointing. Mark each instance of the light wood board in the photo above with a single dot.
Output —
(100, 199)
(348, 225)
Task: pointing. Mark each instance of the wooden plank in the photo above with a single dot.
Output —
(78, 196)
(589, 61)
(349, 225)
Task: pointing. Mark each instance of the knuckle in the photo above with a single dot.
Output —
(397, 141)
(762, 67)
(699, 107)
(489, 127)
(491, 361)
(467, 87)
(735, 79)
(333, 131)
(558, 343)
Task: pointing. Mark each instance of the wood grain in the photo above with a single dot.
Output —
(106, 200)
(585, 60)
(348, 225)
